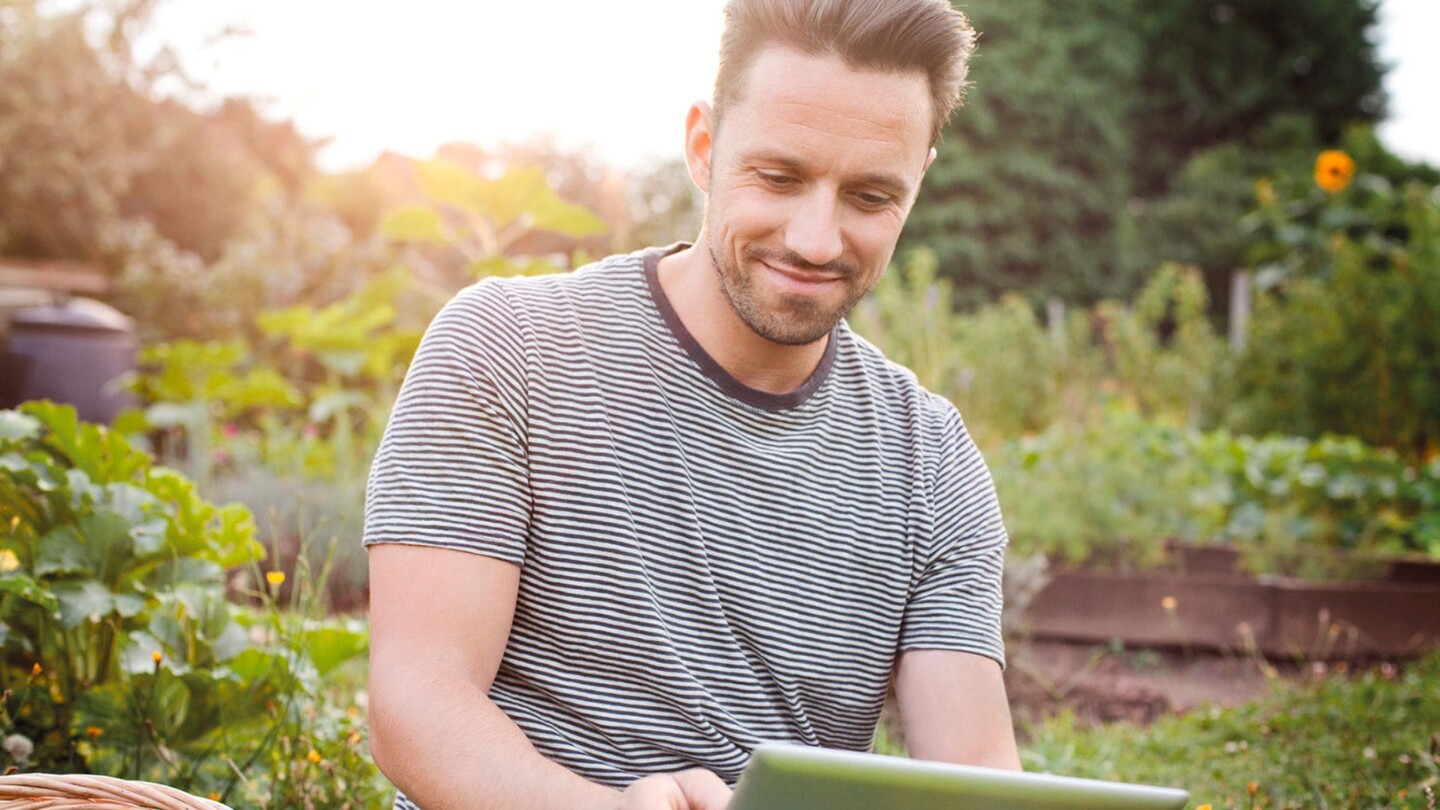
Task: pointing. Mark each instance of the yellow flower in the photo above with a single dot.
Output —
(214, 796)
(275, 578)
(156, 657)
(1253, 787)
(1203, 807)
(94, 732)
(1334, 170)
(1264, 191)
(313, 756)
(36, 670)
(1169, 604)
(8, 560)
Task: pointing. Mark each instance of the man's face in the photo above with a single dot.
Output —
(810, 178)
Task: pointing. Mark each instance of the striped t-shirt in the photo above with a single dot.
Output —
(703, 566)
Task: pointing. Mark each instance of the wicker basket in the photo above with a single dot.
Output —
(39, 791)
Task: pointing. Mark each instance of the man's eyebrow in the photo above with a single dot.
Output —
(882, 180)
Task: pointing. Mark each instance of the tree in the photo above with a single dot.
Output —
(1031, 172)
(1222, 71)
(87, 142)
(70, 127)
(1103, 137)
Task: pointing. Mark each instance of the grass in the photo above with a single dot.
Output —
(1370, 741)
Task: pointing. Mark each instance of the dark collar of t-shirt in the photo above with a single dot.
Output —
(731, 386)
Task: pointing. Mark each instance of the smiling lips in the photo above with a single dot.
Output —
(800, 281)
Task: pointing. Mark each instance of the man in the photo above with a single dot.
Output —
(630, 522)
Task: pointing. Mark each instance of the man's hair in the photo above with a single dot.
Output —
(893, 36)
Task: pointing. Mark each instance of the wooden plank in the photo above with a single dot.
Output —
(1238, 613)
(67, 277)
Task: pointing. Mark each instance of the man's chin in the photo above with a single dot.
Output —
(791, 326)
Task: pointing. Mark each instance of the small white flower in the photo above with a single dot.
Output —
(19, 747)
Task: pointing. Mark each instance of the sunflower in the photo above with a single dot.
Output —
(1334, 170)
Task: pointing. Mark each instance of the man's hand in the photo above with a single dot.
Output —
(695, 789)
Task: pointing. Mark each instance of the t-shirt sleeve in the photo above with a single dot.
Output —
(956, 601)
(451, 470)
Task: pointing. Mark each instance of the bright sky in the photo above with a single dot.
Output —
(616, 76)
(411, 76)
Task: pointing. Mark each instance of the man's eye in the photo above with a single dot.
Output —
(872, 199)
(777, 180)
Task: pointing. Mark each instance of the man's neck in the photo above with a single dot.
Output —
(692, 285)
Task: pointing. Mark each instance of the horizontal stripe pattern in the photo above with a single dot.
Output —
(700, 572)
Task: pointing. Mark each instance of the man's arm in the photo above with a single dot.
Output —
(953, 709)
(439, 621)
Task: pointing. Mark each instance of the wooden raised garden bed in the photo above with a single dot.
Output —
(1208, 604)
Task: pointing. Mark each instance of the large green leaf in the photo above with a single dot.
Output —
(138, 654)
(234, 536)
(63, 551)
(84, 602)
(23, 587)
(102, 455)
(416, 223)
(332, 644)
(260, 388)
(232, 641)
(18, 427)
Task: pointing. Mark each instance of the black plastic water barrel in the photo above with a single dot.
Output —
(70, 352)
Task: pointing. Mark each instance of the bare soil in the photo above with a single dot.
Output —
(1109, 683)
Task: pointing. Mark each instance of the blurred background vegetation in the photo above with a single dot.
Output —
(1067, 279)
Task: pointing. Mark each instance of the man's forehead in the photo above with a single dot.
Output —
(787, 67)
(792, 91)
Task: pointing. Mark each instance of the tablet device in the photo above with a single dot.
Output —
(796, 777)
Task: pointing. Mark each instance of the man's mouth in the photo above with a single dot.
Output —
(801, 281)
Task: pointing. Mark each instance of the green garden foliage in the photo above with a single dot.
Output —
(1011, 373)
(119, 650)
(1370, 741)
(1115, 488)
(1346, 331)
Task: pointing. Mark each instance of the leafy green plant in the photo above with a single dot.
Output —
(1346, 333)
(113, 603)
(1011, 374)
(1113, 489)
(1164, 349)
(118, 647)
(1108, 491)
(485, 218)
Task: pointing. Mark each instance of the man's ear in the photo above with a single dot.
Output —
(699, 143)
(930, 158)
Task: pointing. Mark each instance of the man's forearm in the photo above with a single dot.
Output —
(443, 742)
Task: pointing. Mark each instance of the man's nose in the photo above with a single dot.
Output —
(813, 232)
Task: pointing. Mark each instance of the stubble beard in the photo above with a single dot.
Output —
(790, 321)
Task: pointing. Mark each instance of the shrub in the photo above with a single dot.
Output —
(1111, 490)
(1346, 333)
(1011, 374)
(118, 647)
